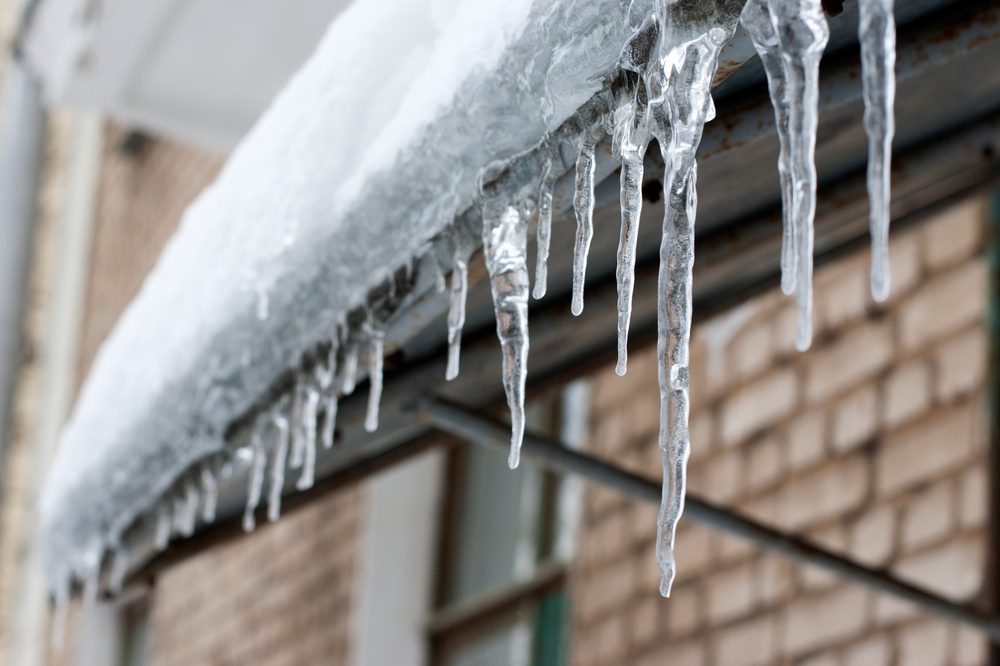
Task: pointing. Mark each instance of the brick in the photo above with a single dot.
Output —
(783, 330)
(765, 463)
(928, 448)
(702, 432)
(856, 356)
(873, 535)
(953, 570)
(905, 264)
(869, 652)
(775, 578)
(611, 640)
(814, 622)
(824, 659)
(970, 647)
(731, 593)
(924, 644)
(892, 610)
(693, 551)
(751, 351)
(854, 419)
(747, 644)
(722, 476)
(689, 653)
(906, 393)
(833, 539)
(644, 621)
(830, 491)
(961, 364)
(973, 498)
(730, 549)
(684, 610)
(944, 306)
(929, 516)
(953, 235)
(759, 404)
(806, 439)
(841, 294)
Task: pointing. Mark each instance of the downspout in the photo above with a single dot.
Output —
(22, 134)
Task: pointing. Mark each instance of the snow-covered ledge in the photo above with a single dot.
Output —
(361, 163)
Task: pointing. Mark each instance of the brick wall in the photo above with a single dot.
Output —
(872, 443)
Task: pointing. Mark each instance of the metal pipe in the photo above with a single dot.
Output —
(472, 427)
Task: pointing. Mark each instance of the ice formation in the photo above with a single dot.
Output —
(489, 80)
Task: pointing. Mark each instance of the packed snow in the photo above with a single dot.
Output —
(291, 223)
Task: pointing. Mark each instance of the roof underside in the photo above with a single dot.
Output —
(336, 231)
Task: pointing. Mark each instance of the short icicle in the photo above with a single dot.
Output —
(349, 379)
(877, 34)
(119, 569)
(681, 81)
(631, 137)
(278, 461)
(209, 492)
(544, 232)
(376, 362)
(330, 407)
(298, 422)
(505, 246)
(256, 484)
(456, 310)
(311, 410)
(583, 205)
(760, 23)
(164, 525)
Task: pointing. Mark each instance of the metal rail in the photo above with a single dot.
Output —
(472, 427)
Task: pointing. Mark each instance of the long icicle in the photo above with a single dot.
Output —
(760, 24)
(376, 359)
(688, 69)
(505, 246)
(631, 137)
(804, 32)
(278, 469)
(456, 310)
(877, 34)
(544, 232)
(583, 205)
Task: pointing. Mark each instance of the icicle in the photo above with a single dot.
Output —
(877, 34)
(544, 232)
(505, 243)
(631, 136)
(187, 509)
(92, 582)
(683, 79)
(439, 282)
(759, 23)
(376, 358)
(456, 310)
(583, 204)
(119, 569)
(256, 480)
(308, 476)
(298, 423)
(330, 409)
(163, 528)
(209, 493)
(278, 469)
(350, 377)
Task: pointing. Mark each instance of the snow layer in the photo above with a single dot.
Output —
(386, 128)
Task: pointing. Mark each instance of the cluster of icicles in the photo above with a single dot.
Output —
(673, 58)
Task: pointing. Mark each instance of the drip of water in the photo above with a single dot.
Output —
(456, 311)
(505, 246)
(877, 33)
(376, 358)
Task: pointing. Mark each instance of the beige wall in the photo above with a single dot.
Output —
(872, 443)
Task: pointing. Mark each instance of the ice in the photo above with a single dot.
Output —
(298, 422)
(349, 378)
(187, 509)
(877, 33)
(278, 460)
(308, 476)
(209, 492)
(256, 481)
(456, 310)
(583, 205)
(119, 569)
(376, 357)
(544, 232)
(164, 525)
(505, 247)
(330, 406)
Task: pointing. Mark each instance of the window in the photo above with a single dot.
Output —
(507, 537)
